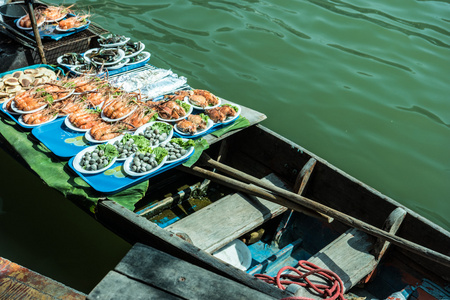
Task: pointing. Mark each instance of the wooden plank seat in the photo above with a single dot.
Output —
(352, 256)
(210, 228)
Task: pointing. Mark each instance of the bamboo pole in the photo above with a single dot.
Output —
(36, 30)
(293, 201)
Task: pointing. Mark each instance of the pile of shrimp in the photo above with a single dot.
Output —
(73, 22)
(26, 21)
(120, 106)
(53, 13)
(40, 117)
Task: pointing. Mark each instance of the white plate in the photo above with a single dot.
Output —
(203, 108)
(59, 61)
(8, 111)
(119, 65)
(199, 132)
(55, 20)
(84, 73)
(105, 118)
(127, 167)
(231, 119)
(91, 139)
(73, 28)
(65, 97)
(137, 52)
(26, 28)
(176, 120)
(150, 124)
(147, 56)
(21, 122)
(79, 156)
(88, 60)
(189, 152)
(113, 45)
(73, 127)
(14, 108)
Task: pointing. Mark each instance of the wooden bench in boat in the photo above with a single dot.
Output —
(352, 256)
(227, 219)
(147, 273)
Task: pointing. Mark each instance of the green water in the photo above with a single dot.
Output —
(362, 84)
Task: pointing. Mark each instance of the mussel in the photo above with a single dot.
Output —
(73, 59)
(104, 55)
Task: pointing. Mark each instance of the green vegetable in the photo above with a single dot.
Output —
(184, 144)
(162, 127)
(109, 150)
(140, 141)
(184, 105)
(232, 106)
(159, 152)
(204, 117)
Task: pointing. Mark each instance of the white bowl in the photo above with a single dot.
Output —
(230, 119)
(127, 167)
(120, 52)
(9, 111)
(79, 156)
(14, 108)
(147, 56)
(202, 108)
(91, 139)
(26, 28)
(113, 45)
(209, 124)
(73, 28)
(188, 152)
(118, 119)
(176, 120)
(137, 52)
(73, 127)
(150, 124)
(119, 65)
(21, 122)
(59, 61)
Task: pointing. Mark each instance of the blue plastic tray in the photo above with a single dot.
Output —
(115, 179)
(60, 139)
(48, 31)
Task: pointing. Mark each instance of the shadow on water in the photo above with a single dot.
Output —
(426, 113)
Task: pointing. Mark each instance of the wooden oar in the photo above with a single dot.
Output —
(295, 202)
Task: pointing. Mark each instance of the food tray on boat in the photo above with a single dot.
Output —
(60, 139)
(50, 31)
(114, 179)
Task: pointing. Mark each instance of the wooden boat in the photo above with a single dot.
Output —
(304, 234)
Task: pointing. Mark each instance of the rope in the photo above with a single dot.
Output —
(333, 291)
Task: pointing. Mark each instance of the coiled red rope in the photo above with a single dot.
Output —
(333, 291)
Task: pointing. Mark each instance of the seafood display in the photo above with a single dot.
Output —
(143, 163)
(141, 57)
(25, 21)
(73, 22)
(95, 159)
(132, 49)
(221, 113)
(56, 13)
(156, 132)
(199, 98)
(71, 59)
(112, 40)
(178, 149)
(39, 117)
(172, 110)
(192, 124)
(19, 81)
(102, 56)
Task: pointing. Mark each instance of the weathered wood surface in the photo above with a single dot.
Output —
(118, 286)
(227, 219)
(136, 229)
(348, 256)
(159, 271)
(17, 282)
